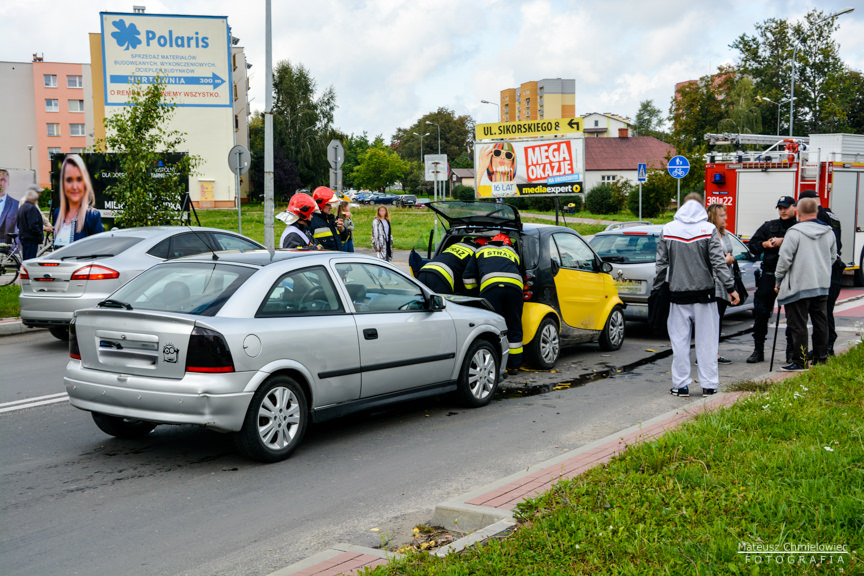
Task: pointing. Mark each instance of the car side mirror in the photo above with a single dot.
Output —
(606, 267)
(436, 302)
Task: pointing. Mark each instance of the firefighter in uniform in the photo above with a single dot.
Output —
(830, 219)
(327, 231)
(300, 209)
(494, 273)
(766, 242)
(443, 274)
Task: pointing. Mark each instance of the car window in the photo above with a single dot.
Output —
(191, 288)
(101, 246)
(375, 289)
(739, 250)
(573, 252)
(626, 248)
(302, 292)
(231, 242)
(179, 245)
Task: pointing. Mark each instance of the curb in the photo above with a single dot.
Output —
(12, 326)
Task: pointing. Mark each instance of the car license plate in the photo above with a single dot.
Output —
(629, 286)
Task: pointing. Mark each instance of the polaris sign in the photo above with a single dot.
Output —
(191, 54)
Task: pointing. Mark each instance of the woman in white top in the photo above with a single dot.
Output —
(75, 218)
(382, 235)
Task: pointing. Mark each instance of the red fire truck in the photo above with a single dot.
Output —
(749, 183)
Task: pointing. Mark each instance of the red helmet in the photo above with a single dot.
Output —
(302, 206)
(481, 241)
(323, 195)
(503, 238)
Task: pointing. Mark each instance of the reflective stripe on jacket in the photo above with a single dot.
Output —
(493, 265)
(451, 264)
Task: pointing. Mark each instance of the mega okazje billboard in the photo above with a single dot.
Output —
(529, 168)
(192, 54)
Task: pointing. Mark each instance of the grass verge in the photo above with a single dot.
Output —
(9, 301)
(782, 468)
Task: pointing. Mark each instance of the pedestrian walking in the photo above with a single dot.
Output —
(382, 234)
(802, 283)
(30, 225)
(766, 242)
(689, 255)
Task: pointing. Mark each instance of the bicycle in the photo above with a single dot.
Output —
(10, 260)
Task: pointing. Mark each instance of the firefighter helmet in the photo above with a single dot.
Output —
(323, 195)
(503, 238)
(302, 206)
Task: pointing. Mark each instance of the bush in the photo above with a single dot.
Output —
(656, 195)
(602, 200)
(463, 193)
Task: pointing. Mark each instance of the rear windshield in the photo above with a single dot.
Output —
(191, 288)
(626, 248)
(96, 247)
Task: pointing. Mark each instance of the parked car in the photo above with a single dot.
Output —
(382, 198)
(569, 296)
(362, 197)
(406, 200)
(632, 252)
(87, 271)
(260, 344)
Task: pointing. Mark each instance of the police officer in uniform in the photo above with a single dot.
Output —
(327, 231)
(828, 218)
(443, 274)
(494, 272)
(766, 242)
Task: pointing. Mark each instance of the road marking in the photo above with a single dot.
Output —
(33, 402)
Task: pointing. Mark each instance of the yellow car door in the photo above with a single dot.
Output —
(580, 287)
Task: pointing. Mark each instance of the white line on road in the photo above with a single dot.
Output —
(33, 402)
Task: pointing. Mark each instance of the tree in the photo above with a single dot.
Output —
(286, 179)
(744, 116)
(697, 109)
(457, 136)
(649, 120)
(141, 136)
(355, 147)
(379, 168)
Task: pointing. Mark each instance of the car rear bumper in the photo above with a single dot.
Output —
(191, 400)
(42, 311)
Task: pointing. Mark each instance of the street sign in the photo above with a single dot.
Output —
(532, 128)
(335, 154)
(239, 160)
(436, 167)
(678, 167)
(642, 172)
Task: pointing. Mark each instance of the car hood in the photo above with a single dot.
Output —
(471, 301)
(480, 214)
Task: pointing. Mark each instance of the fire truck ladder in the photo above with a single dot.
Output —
(752, 139)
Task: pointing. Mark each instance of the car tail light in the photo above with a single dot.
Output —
(634, 233)
(528, 287)
(208, 352)
(23, 274)
(74, 352)
(95, 272)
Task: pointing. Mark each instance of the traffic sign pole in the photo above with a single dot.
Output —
(678, 168)
(641, 176)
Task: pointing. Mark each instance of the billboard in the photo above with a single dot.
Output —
(191, 53)
(529, 168)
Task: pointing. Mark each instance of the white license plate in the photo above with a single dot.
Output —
(630, 286)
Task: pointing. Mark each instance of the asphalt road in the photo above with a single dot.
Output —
(182, 501)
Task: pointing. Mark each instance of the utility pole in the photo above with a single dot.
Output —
(269, 237)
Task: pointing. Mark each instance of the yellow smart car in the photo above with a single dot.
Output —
(570, 298)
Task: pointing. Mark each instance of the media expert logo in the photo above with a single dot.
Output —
(130, 37)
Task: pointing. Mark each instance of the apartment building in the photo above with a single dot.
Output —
(539, 99)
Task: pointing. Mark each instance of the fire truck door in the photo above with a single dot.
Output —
(757, 197)
(847, 203)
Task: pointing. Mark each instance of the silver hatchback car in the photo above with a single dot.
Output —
(259, 344)
(87, 271)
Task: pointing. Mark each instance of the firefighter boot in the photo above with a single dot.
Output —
(758, 354)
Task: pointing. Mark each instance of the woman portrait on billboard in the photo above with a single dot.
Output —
(76, 218)
(498, 162)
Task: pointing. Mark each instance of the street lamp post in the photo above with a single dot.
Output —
(30, 152)
(779, 105)
(493, 104)
(795, 57)
(437, 169)
(421, 144)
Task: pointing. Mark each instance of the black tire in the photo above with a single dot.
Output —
(9, 269)
(122, 427)
(60, 332)
(276, 420)
(545, 348)
(612, 336)
(478, 377)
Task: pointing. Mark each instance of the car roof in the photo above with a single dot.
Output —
(263, 258)
(642, 229)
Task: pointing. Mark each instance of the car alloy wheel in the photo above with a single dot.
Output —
(612, 336)
(545, 347)
(478, 378)
(275, 421)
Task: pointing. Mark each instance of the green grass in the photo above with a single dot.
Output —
(781, 467)
(9, 301)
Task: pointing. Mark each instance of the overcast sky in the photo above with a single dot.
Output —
(391, 61)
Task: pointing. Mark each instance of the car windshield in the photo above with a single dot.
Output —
(101, 246)
(199, 288)
(626, 248)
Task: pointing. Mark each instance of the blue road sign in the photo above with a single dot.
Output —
(643, 172)
(678, 167)
(214, 81)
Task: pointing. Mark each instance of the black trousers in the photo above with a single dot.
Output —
(507, 301)
(435, 282)
(833, 294)
(796, 320)
(763, 306)
(721, 309)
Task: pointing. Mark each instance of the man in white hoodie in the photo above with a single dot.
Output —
(803, 278)
(687, 253)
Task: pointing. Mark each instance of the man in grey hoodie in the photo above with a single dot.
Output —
(689, 254)
(803, 278)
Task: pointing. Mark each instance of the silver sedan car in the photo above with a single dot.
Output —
(632, 251)
(85, 272)
(259, 344)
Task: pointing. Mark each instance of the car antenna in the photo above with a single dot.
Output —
(204, 240)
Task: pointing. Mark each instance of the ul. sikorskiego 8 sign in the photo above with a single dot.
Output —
(192, 54)
(509, 168)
